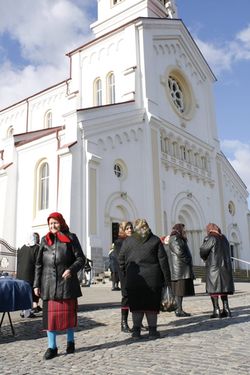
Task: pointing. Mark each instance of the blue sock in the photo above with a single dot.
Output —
(51, 339)
(70, 334)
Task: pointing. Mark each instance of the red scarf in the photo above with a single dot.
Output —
(50, 238)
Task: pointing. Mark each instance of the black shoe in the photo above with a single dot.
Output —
(70, 347)
(31, 315)
(216, 314)
(153, 334)
(50, 353)
(37, 309)
(136, 333)
(125, 328)
(181, 314)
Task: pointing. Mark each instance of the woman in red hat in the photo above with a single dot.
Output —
(59, 259)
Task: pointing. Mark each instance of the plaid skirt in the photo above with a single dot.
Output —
(60, 314)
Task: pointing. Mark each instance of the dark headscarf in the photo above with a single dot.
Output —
(178, 230)
(50, 237)
(141, 229)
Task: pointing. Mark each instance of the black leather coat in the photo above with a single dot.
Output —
(180, 259)
(215, 251)
(51, 263)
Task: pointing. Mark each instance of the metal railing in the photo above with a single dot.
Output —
(242, 261)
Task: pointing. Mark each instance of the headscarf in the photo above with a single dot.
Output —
(59, 217)
(213, 229)
(50, 237)
(141, 228)
(177, 230)
(123, 225)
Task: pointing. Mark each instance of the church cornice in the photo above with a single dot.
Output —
(100, 120)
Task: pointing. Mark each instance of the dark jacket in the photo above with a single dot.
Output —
(117, 249)
(145, 265)
(26, 260)
(180, 259)
(52, 261)
(215, 251)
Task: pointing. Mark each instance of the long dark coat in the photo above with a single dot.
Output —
(180, 259)
(146, 269)
(215, 251)
(26, 260)
(51, 263)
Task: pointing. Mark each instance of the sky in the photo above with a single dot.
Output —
(36, 35)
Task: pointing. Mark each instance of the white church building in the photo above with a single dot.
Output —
(131, 133)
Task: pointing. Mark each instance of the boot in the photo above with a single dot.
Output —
(136, 333)
(226, 311)
(124, 321)
(179, 312)
(216, 309)
(50, 353)
(153, 333)
(70, 347)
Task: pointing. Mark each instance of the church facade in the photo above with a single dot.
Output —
(131, 133)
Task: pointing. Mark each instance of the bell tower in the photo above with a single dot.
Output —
(115, 13)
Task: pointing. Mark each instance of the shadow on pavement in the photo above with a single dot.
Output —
(98, 306)
(32, 329)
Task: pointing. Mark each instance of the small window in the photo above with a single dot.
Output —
(111, 88)
(48, 120)
(176, 93)
(114, 2)
(118, 170)
(180, 94)
(98, 92)
(231, 208)
(43, 201)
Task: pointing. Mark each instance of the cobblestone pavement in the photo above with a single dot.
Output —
(194, 345)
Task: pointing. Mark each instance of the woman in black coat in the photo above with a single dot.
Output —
(144, 263)
(125, 230)
(181, 267)
(215, 251)
(59, 259)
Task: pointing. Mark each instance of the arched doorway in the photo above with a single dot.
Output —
(118, 208)
(187, 210)
(235, 242)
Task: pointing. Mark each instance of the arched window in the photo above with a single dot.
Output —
(48, 120)
(111, 88)
(43, 186)
(10, 132)
(98, 92)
